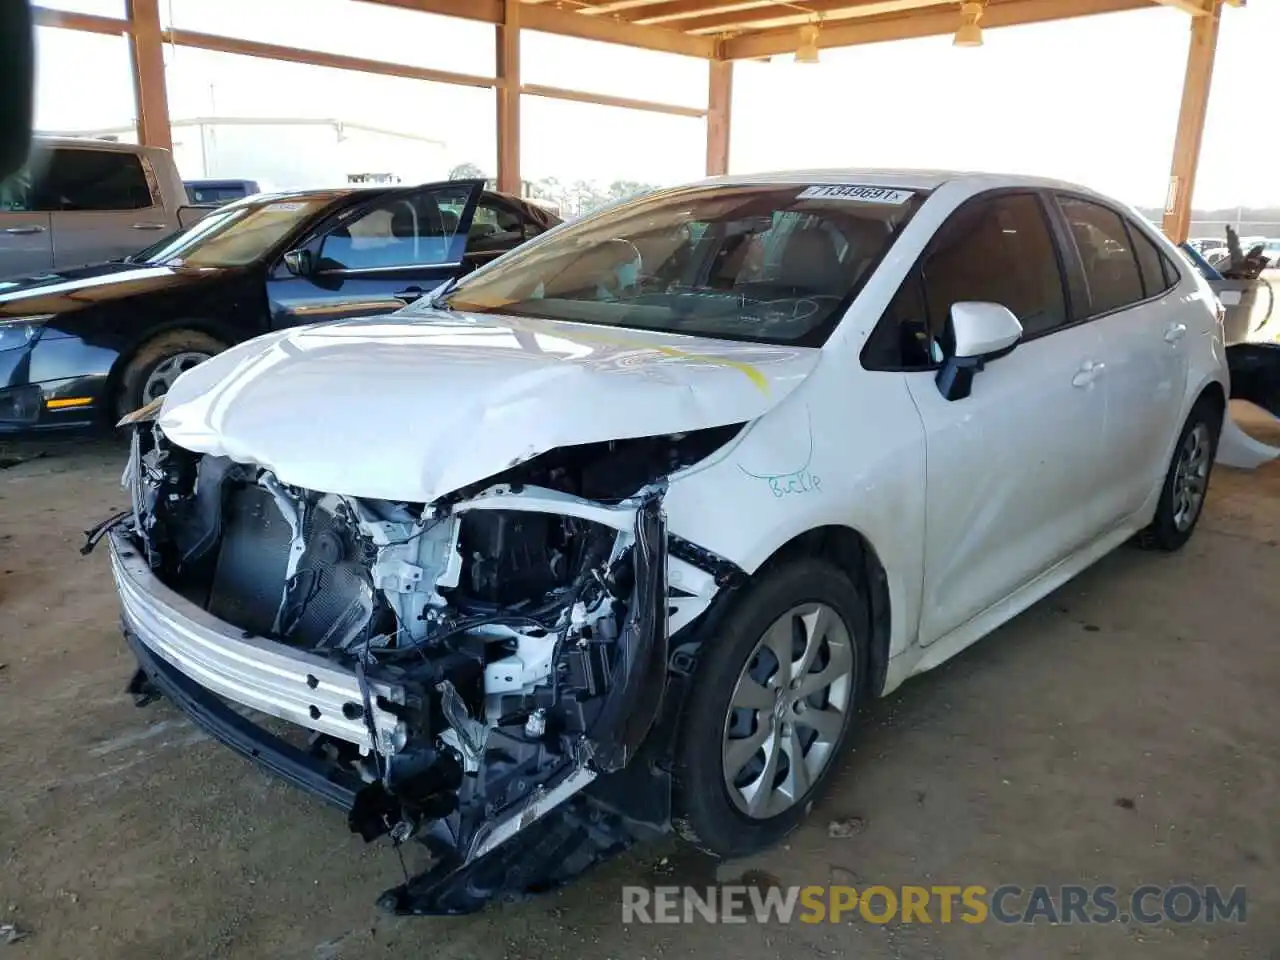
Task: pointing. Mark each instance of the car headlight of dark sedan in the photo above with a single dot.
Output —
(20, 331)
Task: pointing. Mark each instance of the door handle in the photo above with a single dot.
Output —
(29, 228)
(149, 226)
(1088, 372)
(1175, 332)
(409, 294)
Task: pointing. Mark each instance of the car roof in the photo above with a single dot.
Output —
(904, 177)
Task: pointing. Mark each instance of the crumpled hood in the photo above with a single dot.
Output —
(411, 407)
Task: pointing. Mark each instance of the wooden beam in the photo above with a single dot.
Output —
(273, 51)
(921, 24)
(608, 30)
(675, 10)
(147, 59)
(487, 11)
(830, 11)
(619, 6)
(1191, 117)
(63, 19)
(508, 92)
(1197, 8)
(719, 116)
(606, 100)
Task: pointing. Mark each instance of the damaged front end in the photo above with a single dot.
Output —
(479, 673)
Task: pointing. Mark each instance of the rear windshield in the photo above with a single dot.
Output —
(772, 264)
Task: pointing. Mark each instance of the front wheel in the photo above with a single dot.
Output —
(153, 369)
(771, 707)
(1186, 484)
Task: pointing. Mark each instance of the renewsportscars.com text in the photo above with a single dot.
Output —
(972, 904)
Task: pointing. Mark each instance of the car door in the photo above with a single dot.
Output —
(1128, 299)
(26, 242)
(1008, 468)
(379, 256)
(101, 204)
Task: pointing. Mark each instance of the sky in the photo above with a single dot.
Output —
(1092, 100)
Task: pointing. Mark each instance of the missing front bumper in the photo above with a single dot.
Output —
(272, 678)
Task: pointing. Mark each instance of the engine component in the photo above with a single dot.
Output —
(509, 556)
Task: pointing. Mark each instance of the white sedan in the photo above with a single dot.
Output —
(619, 532)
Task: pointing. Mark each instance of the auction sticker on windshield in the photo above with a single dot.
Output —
(859, 194)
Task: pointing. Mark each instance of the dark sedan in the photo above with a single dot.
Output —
(82, 347)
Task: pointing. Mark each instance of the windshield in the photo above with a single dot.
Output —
(232, 236)
(773, 264)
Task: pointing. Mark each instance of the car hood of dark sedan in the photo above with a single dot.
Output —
(70, 290)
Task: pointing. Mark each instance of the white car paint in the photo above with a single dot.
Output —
(450, 399)
(975, 507)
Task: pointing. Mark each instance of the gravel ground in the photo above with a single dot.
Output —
(1122, 731)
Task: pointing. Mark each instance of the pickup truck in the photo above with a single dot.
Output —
(81, 201)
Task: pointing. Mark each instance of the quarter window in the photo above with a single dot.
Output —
(93, 180)
(1110, 266)
(997, 251)
(1150, 263)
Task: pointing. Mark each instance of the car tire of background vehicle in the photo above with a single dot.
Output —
(169, 353)
(819, 606)
(1186, 484)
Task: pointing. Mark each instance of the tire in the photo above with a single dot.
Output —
(709, 810)
(1176, 517)
(179, 349)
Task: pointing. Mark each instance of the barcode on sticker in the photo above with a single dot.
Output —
(289, 206)
(859, 194)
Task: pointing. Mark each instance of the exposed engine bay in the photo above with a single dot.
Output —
(509, 643)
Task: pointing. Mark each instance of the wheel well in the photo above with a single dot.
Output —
(1213, 393)
(851, 552)
(126, 356)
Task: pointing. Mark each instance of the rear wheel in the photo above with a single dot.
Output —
(154, 368)
(1187, 482)
(773, 703)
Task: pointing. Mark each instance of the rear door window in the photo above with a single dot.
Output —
(1110, 266)
(495, 227)
(77, 180)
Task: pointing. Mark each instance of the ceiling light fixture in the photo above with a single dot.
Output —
(970, 33)
(807, 52)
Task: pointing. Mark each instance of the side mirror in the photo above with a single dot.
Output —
(298, 262)
(982, 331)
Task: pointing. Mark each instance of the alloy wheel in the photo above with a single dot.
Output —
(1191, 477)
(788, 710)
(167, 371)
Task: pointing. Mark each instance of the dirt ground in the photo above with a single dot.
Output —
(1123, 731)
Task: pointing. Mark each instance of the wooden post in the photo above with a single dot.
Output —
(1191, 116)
(147, 58)
(508, 92)
(719, 109)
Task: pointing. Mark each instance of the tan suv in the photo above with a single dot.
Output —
(86, 201)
